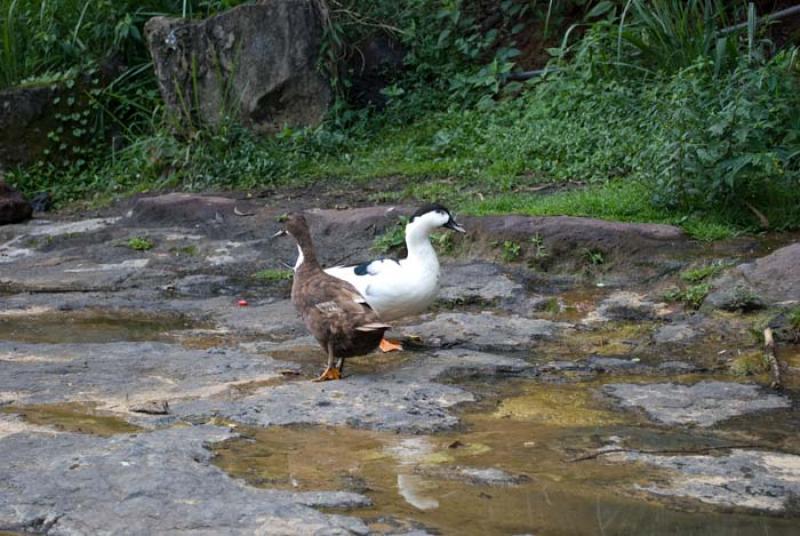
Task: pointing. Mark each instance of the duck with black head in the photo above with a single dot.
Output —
(332, 309)
(399, 288)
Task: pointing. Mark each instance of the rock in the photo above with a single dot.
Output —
(483, 331)
(733, 294)
(636, 252)
(480, 282)
(179, 209)
(626, 306)
(124, 373)
(27, 115)
(614, 364)
(359, 401)
(756, 479)
(146, 484)
(14, 208)
(473, 475)
(257, 61)
(704, 403)
(771, 280)
(680, 332)
(151, 407)
(407, 399)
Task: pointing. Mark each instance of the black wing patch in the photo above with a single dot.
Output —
(363, 268)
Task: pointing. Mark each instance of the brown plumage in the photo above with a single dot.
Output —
(333, 310)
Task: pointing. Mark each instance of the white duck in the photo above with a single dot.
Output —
(398, 288)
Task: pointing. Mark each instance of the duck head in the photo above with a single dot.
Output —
(297, 227)
(430, 217)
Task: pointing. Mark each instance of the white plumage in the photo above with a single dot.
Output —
(395, 289)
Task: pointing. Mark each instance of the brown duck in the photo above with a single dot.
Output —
(333, 310)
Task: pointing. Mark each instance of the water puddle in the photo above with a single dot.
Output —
(90, 326)
(510, 469)
(72, 417)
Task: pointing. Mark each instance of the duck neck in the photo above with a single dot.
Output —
(419, 246)
(307, 259)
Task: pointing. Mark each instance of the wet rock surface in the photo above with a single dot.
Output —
(754, 479)
(704, 403)
(517, 368)
(156, 482)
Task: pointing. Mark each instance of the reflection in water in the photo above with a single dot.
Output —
(424, 481)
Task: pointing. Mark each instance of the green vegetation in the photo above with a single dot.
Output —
(749, 364)
(794, 318)
(692, 296)
(594, 257)
(510, 251)
(392, 239)
(652, 111)
(140, 243)
(273, 274)
(701, 273)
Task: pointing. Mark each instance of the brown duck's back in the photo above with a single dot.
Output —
(331, 313)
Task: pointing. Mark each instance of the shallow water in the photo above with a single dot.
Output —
(72, 417)
(533, 436)
(90, 326)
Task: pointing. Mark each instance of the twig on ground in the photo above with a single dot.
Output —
(701, 450)
(774, 365)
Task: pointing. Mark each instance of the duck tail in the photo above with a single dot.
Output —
(373, 326)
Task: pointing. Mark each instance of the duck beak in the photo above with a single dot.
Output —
(452, 224)
(282, 232)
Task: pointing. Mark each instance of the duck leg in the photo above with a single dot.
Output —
(340, 366)
(331, 372)
(390, 346)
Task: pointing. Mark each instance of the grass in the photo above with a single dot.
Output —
(691, 296)
(701, 273)
(273, 274)
(140, 243)
(690, 143)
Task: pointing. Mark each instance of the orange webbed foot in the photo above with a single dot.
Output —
(329, 374)
(390, 346)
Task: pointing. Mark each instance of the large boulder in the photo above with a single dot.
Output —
(26, 117)
(14, 208)
(257, 62)
(770, 280)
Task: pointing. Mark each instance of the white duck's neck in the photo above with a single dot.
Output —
(420, 250)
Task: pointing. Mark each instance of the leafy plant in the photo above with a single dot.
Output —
(692, 296)
(391, 239)
(510, 251)
(140, 243)
(749, 364)
(594, 257)
(537, 244)
(701, 273)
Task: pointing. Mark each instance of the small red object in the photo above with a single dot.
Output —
(243, 303)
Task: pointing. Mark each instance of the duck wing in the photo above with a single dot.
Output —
(329, 300)
(360, 275)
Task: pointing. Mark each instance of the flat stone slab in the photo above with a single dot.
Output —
(483, 331)
(704, 403)
(482, 281)
(755, 479)
(119, 374)
(407, 399)
(151, 483)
